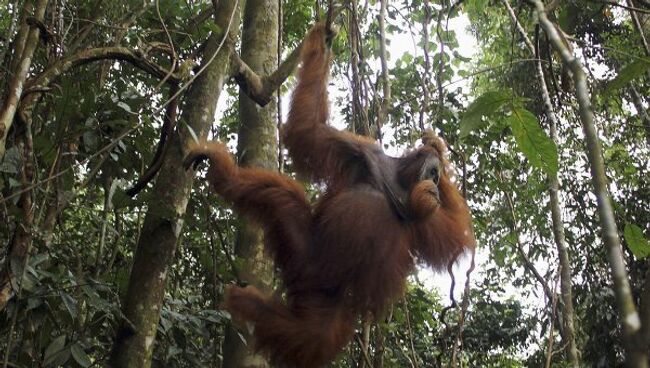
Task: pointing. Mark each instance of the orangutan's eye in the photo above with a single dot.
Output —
(434, 174)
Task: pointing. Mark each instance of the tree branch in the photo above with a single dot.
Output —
(644, 3)
(261, 89)
(528, 264)
(385, 80)
(133, 57)
(169, 123)
(36, 85)
(614, 3)
(645, 309)
(639, 28)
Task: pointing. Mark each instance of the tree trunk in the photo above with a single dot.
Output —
(636, 351)
(257, 146)
(133, 346)
(26, 43)
(24, 47)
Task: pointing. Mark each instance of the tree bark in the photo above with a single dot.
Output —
(382, 116)
(19, 248)
(21, 243)
(359, 119)
(133, 346)
(257, 146)
(5, 55)
(23, 61)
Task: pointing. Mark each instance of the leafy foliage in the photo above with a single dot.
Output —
(95, 129)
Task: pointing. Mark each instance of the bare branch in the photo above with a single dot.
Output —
(261, 89)
(36, 85)
(639, 28)
(385, 103)
(125, 54)
(169, 122)
(614, 3)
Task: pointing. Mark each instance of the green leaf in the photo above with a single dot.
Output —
(637, 243)
(476, 6)
(52, 351)
(568, 18)
(215, 28)
(124, 107)
(70, 304)
(629, 72)
(540, 150)
(485, 105)
(80, 355)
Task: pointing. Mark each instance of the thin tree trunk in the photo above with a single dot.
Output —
(23, 61)
(257, 146)
(386, 102)
(23, 238)
(637, 354)
(133, 346)
(359, 111)
(551, 338)
(378, 359)
(364, 345)
(4, 53)
(21, 244)
(643, 113)
(568, 325)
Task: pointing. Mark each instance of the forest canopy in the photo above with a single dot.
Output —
(113, 254)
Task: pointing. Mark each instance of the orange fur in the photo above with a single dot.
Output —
(350, 254)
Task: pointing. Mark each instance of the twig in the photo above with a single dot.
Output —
(614, 3)
(205, 66)
(549, 353)
(515, 229)
(410, 332)
(169, 122)
(171, 47)
(458, 342)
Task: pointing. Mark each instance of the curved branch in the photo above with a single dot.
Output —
(133, 57)
(36, 85)
(261, 89)
(627, 7)
(169, 122)
(644, 3)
